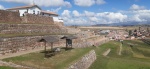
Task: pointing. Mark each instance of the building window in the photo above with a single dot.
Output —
(38, 12)
(33, 11)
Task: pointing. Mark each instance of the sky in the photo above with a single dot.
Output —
(90, 12)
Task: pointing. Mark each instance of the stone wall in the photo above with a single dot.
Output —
(14, 17)
(85, 62)
(9, 17)
(30, 29)
(16, 44)
(37, 19)
(77, 43)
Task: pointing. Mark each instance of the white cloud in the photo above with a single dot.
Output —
(84, 3)
(112, 17)
(137, 7)
(89, 14)
(94, 19)
(99, 2)
(137, 14)
(90, 18)
(66, 13)
(76, 13)
(45, 3)
(88, 3)
(140, 16)
(2, 7)
(56, 10)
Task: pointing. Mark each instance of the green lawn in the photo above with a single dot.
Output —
(5, 67)
(137, 57)
(60, 61)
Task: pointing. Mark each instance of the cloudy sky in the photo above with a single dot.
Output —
(90, 12)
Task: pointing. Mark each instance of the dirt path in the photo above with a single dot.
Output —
(22, 52)
(10, 64)
(106, 52)
(120, 50)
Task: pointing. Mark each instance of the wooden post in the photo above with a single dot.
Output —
(45, 47)
(71, 43)
(51, 46)
(66, 44)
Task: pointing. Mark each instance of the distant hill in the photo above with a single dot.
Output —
(124, 24)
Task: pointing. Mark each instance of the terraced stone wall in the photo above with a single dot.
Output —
(30, 29)
(37, 19)
(9, 17)
(85, 62)
(17, 44)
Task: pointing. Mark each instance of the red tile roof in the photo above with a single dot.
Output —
(23, 7)
(51, 13)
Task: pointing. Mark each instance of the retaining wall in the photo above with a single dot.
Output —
(9, 17)
(30, 29)
(89, 42)
(85, 62)
(37, 19)
(16, 44)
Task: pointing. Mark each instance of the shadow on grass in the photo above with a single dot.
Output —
(50, 53)
(146, 41)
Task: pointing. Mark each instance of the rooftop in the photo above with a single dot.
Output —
(48, 12)
(24, 7)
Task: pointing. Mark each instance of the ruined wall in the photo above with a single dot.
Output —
(9, 17)
(85, 62)
(37, 19)
(30, 29)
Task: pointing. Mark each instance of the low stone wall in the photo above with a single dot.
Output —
(89, 42)
(16, 44)
(37, 19)
(85, 62)
(9, 17)
(30, 29)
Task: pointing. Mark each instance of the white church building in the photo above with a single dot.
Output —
(34, 9)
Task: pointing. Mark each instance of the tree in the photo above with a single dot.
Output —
(148, 30)
(130, 32)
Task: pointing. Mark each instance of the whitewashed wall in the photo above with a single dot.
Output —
(57, 19)
(30, 10)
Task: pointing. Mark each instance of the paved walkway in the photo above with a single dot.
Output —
(106, 52)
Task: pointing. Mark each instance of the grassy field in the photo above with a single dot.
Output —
(6, 67)
(60, 61)
(136, 57)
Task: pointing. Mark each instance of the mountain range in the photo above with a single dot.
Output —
(124, 24)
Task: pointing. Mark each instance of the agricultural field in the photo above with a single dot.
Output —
(135, 54)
